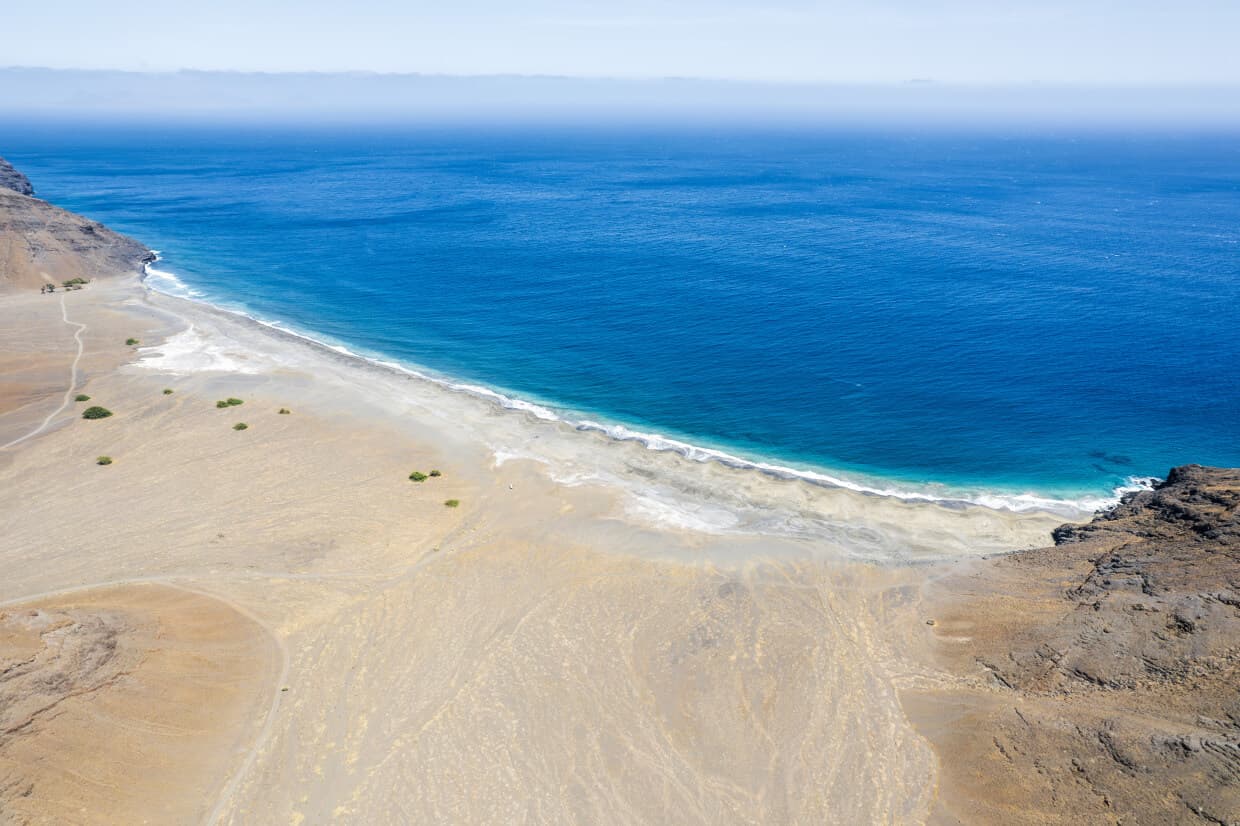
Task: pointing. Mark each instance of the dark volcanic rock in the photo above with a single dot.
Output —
(10, 178)
(1194, 504)
(1160, 598)
(1109, 667)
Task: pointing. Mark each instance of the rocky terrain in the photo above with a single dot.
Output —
(10, 178)
(41, 243)
(1098, 681)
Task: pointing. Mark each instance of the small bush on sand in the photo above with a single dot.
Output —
(96, 413)
(284, 411)
(81, 397)
(436, 473)
(167, 391)
(73, 282)
(104, 460)
(418, 476)
(132, 341)
(233, 402)
(221, 404)
(452, 503)
(240, 426)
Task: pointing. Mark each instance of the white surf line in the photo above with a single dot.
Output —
(73, 377)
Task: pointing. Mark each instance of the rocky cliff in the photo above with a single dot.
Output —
(41, 243)
(1098, 681)
(10, 178)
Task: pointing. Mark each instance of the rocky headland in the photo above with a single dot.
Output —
(13, 180)
(44, 244)
(1098, 680)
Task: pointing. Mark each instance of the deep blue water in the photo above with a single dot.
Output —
(1034, 312)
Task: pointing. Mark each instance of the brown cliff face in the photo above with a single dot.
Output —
(1098, 681)
(13, 180)
(41, 243)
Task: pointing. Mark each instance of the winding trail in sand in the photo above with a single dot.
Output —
(73, 377)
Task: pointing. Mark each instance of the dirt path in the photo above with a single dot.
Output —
(73, 378)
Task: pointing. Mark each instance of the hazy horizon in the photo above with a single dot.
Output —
(1102, 64)
(42, 93)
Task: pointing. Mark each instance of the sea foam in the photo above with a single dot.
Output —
(190, 352)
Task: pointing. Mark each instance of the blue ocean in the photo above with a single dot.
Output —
(1052, 313)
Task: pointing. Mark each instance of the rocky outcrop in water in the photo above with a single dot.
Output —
(10, 178)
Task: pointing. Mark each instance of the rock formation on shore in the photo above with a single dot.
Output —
(10, 178)
(1100, 678)
(41, 243)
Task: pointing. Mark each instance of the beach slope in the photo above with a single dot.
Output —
(296, 621)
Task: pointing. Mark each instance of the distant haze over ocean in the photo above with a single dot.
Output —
(361, 96)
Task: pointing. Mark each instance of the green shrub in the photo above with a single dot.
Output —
(167, 391)
(73, 282)
(436, 473)
(96, 413)
(284, 411)
(418, 476)
(104, 460)
(240, 426)
(81, 397)
(231, 402)
(132, 341)
(452, 503)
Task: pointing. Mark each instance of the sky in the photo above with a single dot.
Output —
(975, 42)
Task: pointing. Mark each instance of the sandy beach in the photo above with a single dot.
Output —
(537, 653)
(277, 625)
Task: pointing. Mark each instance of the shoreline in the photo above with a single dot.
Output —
(282, 623)
(439, 658)
(660, 488)
(932, 493)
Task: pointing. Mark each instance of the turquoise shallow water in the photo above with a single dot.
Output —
(1044, 313)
